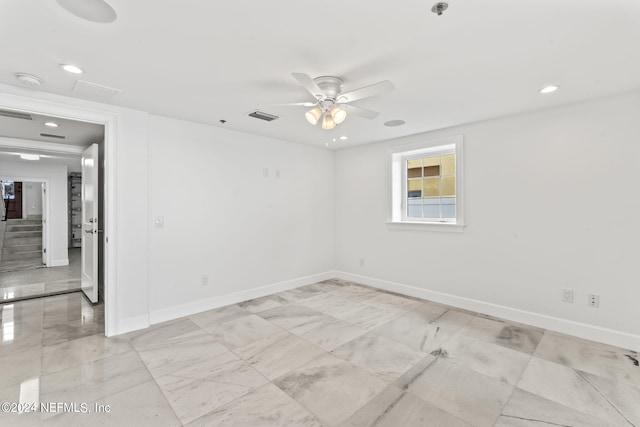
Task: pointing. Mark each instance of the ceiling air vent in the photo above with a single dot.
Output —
(48, 135)
(15, 114)
(94, 90)
(262, 115)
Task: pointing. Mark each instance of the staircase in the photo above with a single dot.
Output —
(22, 248)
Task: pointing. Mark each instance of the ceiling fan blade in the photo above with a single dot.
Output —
(357, 111)
(367, 91)
(308, 83)
(290, 104)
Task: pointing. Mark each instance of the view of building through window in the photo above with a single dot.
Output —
(8, 190)
(426, 186)
(431, 187)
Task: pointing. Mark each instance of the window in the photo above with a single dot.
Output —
(8, 192)
(426, 185)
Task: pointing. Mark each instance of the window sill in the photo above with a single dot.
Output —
(425, 226)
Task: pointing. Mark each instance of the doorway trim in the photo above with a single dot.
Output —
(110, 121)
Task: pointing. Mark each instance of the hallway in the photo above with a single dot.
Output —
(18, 285)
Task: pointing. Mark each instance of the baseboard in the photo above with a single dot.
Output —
(131, 324)
(59, 263)
(170, 313)
(582, 330)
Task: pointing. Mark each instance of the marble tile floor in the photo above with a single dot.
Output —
(29, 283)
(295, 359)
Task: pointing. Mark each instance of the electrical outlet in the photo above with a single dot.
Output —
(204, 280)
(593, 301)
(567, 295)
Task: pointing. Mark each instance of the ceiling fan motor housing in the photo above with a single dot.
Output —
(330, 85)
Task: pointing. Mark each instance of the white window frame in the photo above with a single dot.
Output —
(397, 198)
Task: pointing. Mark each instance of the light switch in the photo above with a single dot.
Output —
(159, 222)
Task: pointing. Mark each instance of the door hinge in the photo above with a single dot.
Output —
(44, 250)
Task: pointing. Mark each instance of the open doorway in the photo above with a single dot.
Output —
(22, 234)
(48, 154)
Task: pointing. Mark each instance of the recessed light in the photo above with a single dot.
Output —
(549, 89)
(392, 123)
(70, 68)
(343, 138)
(51, 124)
(29, 157)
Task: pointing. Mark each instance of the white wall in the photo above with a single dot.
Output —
(223, 218)
(33, 173)
(31, 199)
(538, 214)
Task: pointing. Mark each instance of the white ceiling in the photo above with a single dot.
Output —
(210, 60)
(72, 162)
(75, 133)
(23, 136)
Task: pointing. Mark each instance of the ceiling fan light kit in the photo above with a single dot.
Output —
(328, 123)
(331, 102)
(313, 115)
(338, 114)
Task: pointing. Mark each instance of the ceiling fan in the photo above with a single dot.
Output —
(331, 104)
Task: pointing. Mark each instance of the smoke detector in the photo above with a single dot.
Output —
(28, 79)
(440, 7)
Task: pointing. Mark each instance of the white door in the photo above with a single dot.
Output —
(44, 223)
(90, 212)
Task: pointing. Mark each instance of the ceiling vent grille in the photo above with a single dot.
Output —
(94, 90)
(48, 135)
(263, 116)
(15, 115)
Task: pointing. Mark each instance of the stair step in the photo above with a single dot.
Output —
(21, 234)
(20, 265)
(19, 228)
(22, 255)
(24, 222)
(22, 248)
(22, 241)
